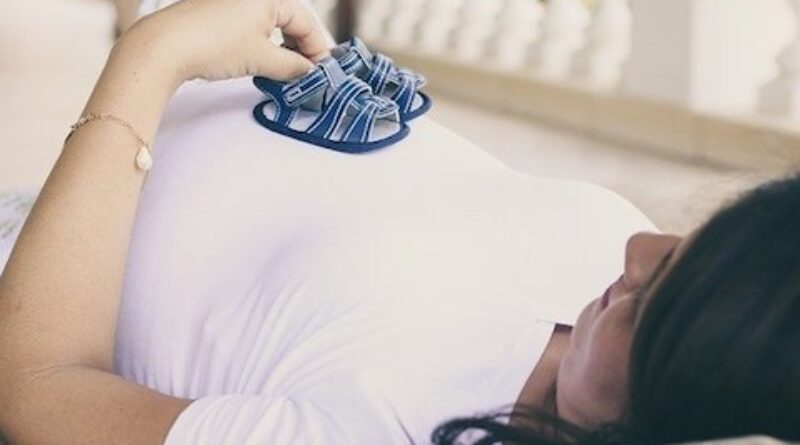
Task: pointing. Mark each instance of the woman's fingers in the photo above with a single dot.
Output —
(223, 39)
(301, 27)
(280, 63)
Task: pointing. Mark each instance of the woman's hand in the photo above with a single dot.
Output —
(224, 39)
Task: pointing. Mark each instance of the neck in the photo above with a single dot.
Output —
(539, 392)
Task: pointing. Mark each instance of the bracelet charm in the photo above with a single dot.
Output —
(144, 158)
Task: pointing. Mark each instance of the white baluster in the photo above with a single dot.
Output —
(403, 23)
(608, 44)
(477, 23)
(563, 29)
(439, 18)
(517, 27)
(782, 95)
(373, 15)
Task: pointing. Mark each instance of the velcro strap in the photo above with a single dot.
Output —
(361, 49)
(419, 80)
(351, 62)
(302, 89)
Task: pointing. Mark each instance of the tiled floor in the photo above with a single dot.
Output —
(51, 52)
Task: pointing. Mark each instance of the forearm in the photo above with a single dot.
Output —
(60, 293)
(69, 258)
(85, 406)
(59, 296)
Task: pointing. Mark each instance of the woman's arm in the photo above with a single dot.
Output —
(60, 293)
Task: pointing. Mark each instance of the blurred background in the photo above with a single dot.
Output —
(678, 105)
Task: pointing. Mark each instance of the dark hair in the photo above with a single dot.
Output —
(716, 353)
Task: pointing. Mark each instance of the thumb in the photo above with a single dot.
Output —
(278, 63)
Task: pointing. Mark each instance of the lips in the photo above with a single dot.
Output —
(605, 300)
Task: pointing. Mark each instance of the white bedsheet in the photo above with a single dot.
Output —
(14, 208)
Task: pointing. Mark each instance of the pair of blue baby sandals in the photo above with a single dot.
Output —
(353, 102)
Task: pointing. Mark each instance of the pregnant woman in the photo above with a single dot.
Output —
(252, 289)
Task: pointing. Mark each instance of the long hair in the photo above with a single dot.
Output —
(716, 353)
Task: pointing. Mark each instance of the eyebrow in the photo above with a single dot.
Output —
(645, 290)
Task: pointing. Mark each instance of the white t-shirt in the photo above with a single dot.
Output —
(304, 296)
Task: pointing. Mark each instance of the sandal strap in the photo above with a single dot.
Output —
(342, 96)
(360, 130)
(335, 111)
(379, 77)
(284, 114)
(419, 80)
(371, 109)
(358, 56)
(327, 74)
(301, 90)
(406, 93)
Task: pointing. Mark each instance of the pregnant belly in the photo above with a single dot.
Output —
(233, 218)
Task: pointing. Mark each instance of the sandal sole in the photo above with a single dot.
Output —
(343, 147)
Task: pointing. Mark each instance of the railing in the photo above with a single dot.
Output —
(676, 74)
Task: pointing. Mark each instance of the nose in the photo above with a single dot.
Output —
(643, 253)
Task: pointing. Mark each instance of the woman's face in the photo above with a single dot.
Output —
(592, 379)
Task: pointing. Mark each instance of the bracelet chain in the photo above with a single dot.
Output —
(144, 158)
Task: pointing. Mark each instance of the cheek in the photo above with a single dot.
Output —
(592, 379)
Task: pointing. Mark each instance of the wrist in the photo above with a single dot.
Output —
(146, 49)
(138, 80)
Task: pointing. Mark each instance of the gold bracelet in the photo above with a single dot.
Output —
(144, 158)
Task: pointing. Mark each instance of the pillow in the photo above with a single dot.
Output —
(14, 208)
